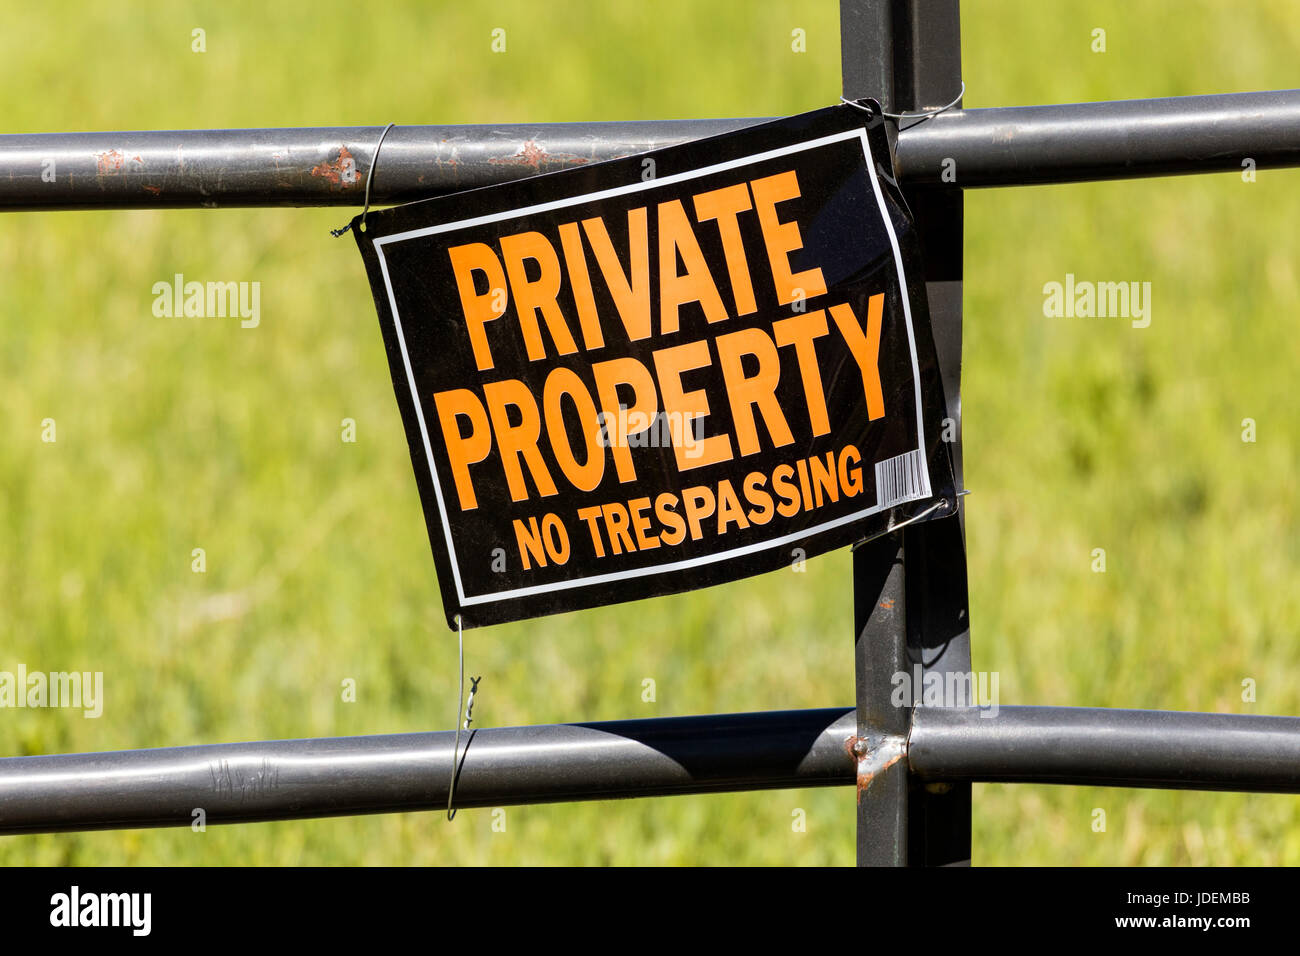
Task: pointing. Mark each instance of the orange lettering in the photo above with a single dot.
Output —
(696, 284)
(478, 309)
(724, 205)
(746, 393)
(645, 404)
(782, 238)
(516, 441)
(801, 331)
(630, 291)
(463, 450)
(684, 407)
(865, 348)
(534, 295)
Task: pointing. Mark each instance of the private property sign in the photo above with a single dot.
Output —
(662, 372)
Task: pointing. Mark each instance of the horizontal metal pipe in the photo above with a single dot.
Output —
(290, 779)
(1124, 139)
(328, 166)
(307, 167)
(1110, 748)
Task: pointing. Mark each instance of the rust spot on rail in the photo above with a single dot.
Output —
(534, 155)
(109, 161)
(341, 172)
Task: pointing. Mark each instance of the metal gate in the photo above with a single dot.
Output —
(912, 766)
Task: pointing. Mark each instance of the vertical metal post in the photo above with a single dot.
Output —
(880, 620)
(867, 49)
(907, 54)
(928, 74)
(879, 578)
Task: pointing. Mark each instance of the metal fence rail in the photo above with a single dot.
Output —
(1003, 146)
(1107, 748)
(294, 779)
(286, 779)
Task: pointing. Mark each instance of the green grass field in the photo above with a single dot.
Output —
(1080, 433)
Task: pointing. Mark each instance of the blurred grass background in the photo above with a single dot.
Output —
(175, 434)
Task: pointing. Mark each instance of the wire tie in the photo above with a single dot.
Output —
(370, 177)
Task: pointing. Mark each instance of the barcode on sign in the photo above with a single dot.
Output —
(901, 478)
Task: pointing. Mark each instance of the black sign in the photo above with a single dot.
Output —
(663, 372)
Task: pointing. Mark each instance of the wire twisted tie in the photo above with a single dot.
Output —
(468, 709)
(921, 115)
(370, 178)
(944, 503)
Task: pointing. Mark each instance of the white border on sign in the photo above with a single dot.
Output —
(687, 563)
